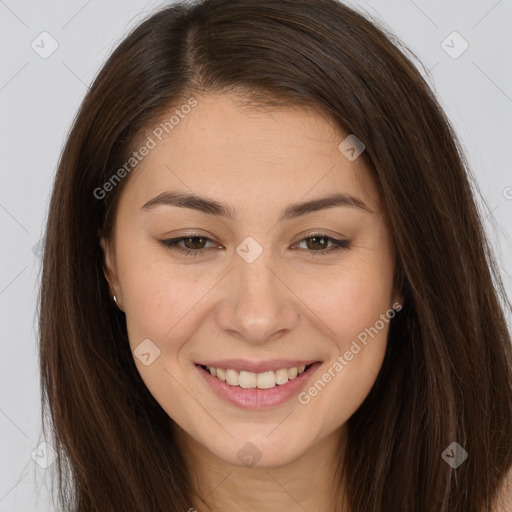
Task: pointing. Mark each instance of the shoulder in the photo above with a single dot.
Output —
(504, 500)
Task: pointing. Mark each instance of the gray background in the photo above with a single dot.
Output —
(39, 98)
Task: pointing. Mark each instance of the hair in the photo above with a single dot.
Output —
(447, 371)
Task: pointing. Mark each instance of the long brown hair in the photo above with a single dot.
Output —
(446, 376)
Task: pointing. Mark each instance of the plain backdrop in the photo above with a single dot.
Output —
(40, 94)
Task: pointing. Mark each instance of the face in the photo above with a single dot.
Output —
(290, 304)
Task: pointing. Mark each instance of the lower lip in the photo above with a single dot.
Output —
(254, 398)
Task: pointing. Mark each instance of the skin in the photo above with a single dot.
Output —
(288, 303)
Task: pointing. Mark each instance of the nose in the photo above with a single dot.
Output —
(259, 306)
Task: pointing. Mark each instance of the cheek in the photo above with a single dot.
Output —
(358, 311)
(163, 305)
(157, 295)
(360, 320)
(354, 296)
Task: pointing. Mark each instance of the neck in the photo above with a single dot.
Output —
(307, 483)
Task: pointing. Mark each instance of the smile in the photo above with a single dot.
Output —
(263, 380)
(261, 388)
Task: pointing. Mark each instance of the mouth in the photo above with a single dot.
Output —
(262, 380)
(259, 389)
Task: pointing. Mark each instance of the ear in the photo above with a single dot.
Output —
(109, 269)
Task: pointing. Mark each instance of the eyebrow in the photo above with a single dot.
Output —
(211, 207)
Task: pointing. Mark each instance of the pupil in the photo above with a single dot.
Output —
(194, 238)
(318, 238)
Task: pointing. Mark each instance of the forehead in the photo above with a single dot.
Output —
(247, 156)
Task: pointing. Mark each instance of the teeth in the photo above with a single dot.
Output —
(232, 377)
(264, 380)
(282, 376)
(247, 380)
(292, 372)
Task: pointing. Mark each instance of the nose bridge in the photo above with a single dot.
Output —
(259, 305)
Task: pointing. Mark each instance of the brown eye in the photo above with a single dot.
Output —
(196, 241)
(317, 244)
(194, 244)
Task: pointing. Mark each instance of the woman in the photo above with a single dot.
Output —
(266, 284)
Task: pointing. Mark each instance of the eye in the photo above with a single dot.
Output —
(321, 241)
(194, 244)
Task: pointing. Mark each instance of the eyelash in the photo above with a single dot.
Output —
(172, 244)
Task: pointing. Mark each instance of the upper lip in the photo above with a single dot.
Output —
(256, 367)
